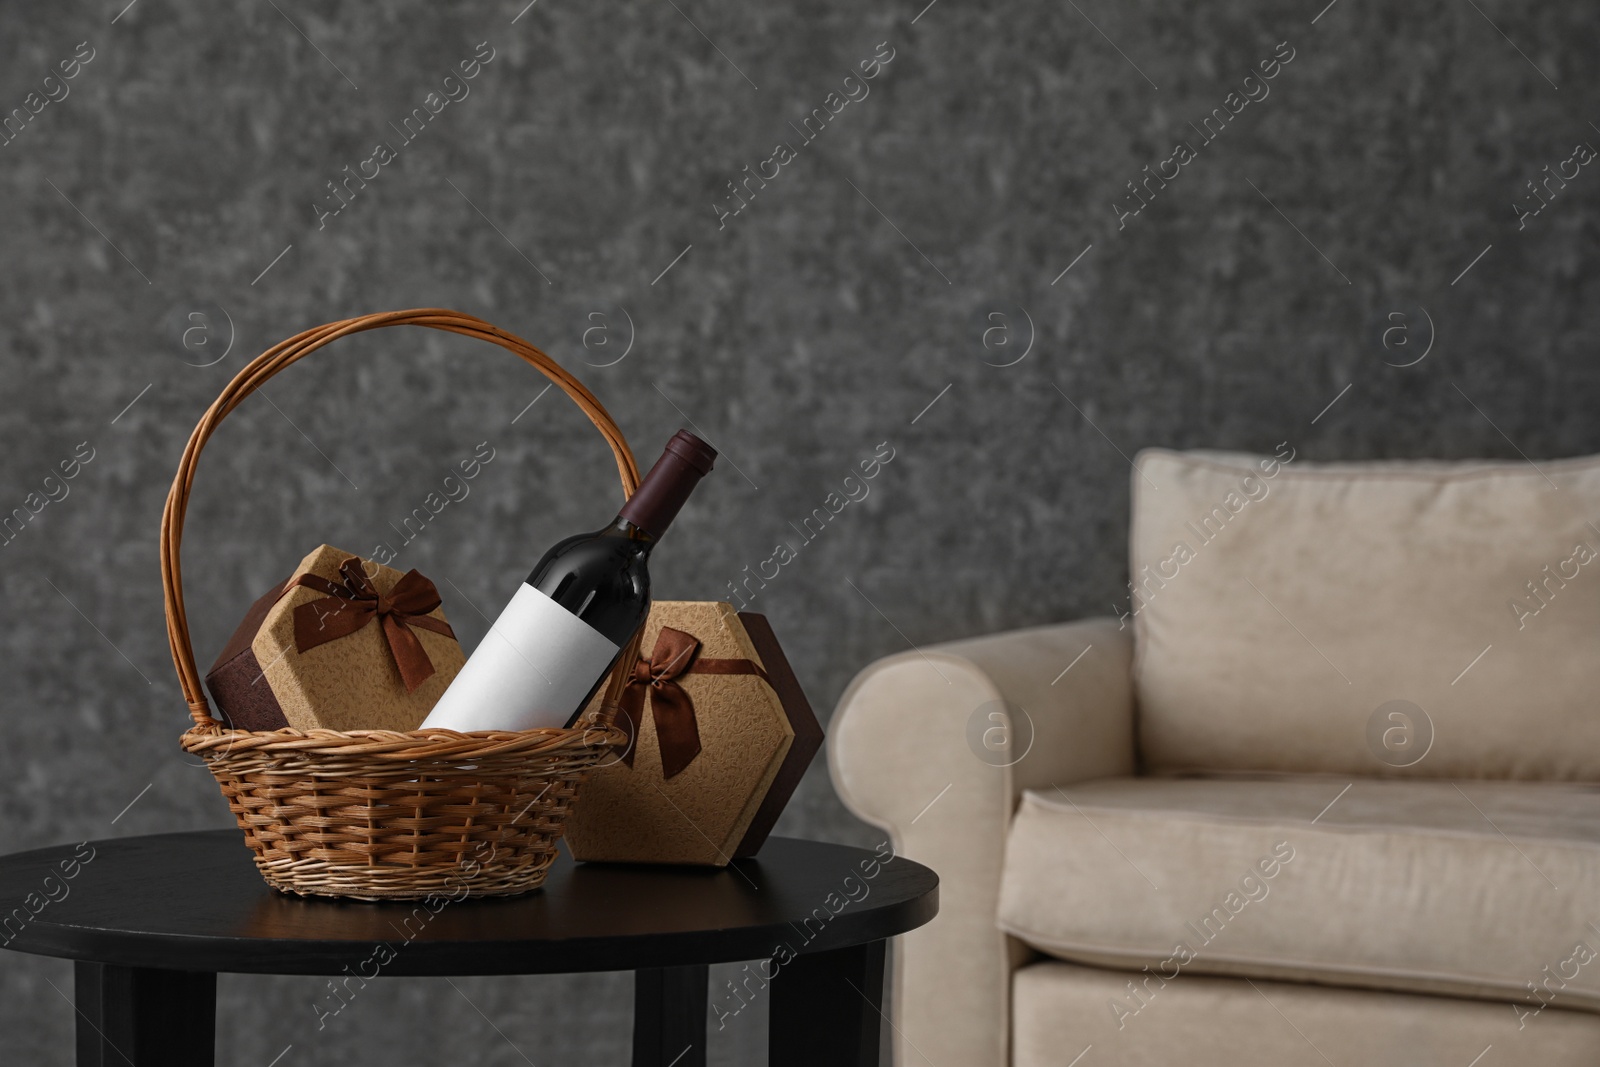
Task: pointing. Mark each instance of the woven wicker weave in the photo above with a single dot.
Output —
(375, 814)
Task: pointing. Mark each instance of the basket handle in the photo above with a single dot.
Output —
(281, 355)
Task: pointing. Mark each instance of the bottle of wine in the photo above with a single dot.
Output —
(554, 644)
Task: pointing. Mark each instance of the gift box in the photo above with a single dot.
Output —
(720, 735)
(342, 644)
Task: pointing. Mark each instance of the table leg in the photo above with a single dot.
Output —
(669, 1016)
(145, 1016)
(826, 1009)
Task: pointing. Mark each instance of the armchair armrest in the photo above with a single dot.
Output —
(914, 748)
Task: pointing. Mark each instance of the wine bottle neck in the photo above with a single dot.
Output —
(661, 494)
(621, 527)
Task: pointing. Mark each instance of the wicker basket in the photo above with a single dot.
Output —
(376, 814)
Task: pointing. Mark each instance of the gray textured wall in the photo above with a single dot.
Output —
(179, 176)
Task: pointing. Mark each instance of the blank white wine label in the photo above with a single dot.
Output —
(534, 668)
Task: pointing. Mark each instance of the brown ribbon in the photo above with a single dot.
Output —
(349, 607)
(677, 731)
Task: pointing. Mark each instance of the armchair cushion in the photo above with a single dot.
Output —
(1279, 606)
(1474, 889)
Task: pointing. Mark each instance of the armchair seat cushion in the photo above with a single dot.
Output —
(1485, 889)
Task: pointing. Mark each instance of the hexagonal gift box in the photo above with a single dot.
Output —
(721, 734)
(343, 644)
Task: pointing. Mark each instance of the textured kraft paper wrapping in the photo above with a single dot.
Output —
(350, 683)
(703, 814)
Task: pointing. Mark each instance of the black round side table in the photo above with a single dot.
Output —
(152, 920)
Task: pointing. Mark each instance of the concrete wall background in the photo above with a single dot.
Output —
(904, 254)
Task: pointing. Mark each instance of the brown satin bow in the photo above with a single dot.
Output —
(677, 731)
(349, 607)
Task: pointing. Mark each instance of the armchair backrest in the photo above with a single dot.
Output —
(1419, 618)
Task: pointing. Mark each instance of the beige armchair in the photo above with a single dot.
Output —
(1321, 793)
